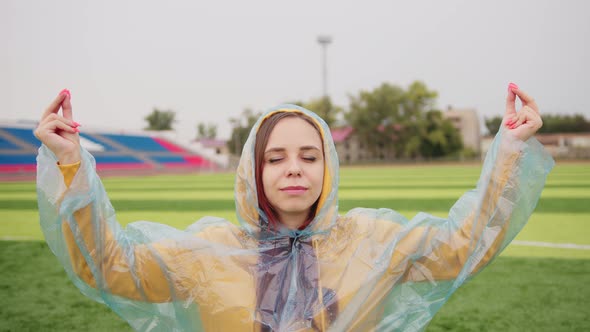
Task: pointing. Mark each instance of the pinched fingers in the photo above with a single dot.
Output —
(527, 100)
(524, 115)
(53, 108)
(53, 117)
(54, 122)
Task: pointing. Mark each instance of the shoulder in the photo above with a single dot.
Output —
(220, 231)
(376, 224)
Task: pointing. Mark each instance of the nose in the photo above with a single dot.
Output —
(294, 169)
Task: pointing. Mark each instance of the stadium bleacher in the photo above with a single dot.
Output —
(113, 152)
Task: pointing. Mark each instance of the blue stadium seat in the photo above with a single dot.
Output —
(8, 145)
(168, 159)
(159, 150)
(137, 143)
(107, 147)
(17, 159)
(25, 134)
(117, 159)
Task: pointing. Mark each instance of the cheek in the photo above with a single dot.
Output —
(267, 179)
(318, 176)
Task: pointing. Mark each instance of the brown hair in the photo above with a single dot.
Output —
(262, 136)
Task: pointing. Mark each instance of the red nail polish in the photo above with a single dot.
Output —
(65, 92)
(512, 87)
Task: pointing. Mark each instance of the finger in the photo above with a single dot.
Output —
(525, 115)
(50, 127)
(52, 117)
(61, 125)
(510, 119)
(66, 107)
(527, 100)
(55, 104)
(510, 103)
(519, 120)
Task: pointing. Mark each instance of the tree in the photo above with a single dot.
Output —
(402, 123)
(441, 137)
(324, 108)
(241, 129)
(375, 116)
(493, 124)
(206, 131)
(160, 120)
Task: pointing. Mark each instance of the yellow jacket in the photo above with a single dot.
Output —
(371, 269)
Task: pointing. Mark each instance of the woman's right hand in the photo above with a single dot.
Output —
(60, 132)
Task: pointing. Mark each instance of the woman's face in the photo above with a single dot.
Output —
(293, 170)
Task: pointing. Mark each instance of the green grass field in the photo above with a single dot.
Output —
(528, 288)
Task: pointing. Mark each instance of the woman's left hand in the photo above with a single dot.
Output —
(524, 123)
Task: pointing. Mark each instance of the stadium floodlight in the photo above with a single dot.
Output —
(324, 41)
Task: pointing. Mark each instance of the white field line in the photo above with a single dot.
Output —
(552, 245)
(18, 238)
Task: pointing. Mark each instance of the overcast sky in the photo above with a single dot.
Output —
(208, 60)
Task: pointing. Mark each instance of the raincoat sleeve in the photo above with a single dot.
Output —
(104, 261)
(484, 220)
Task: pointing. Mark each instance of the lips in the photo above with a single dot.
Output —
(294, 190)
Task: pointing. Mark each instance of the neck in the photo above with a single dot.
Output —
(293, 220)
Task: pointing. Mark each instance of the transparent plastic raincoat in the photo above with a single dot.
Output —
(370, 269)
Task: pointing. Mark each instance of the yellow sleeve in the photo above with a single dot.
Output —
(448, 258)
(151, 283)
(69, 171)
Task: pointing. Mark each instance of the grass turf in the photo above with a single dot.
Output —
(513, 294)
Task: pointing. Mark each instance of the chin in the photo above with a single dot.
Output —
(295, 207)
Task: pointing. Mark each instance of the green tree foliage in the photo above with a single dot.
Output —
(160, 120)
(206, 131)
(557, 123)
(241, 127)
(324, 107)
(493, 124)
(402, 122)
(375, 116)
(440, 138)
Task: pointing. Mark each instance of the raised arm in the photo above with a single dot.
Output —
(79, 223)
(486, 219)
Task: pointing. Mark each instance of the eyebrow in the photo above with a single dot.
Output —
(303, 148)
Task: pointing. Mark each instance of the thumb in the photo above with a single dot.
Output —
(511, 100)
(66, 106)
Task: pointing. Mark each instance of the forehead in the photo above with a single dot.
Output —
(294, 132)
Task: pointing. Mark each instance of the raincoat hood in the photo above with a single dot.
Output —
(251, 216)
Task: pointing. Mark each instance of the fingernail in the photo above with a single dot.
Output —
(512, 87)
(77, 130)
(65, 92)
(76, 124)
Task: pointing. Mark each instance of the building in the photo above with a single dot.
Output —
(467, 122)
(351, 150)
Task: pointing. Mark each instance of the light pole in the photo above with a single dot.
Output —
(324, 41)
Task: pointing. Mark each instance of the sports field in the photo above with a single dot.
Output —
(540, 283)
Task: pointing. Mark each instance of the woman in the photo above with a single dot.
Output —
(294, 263)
